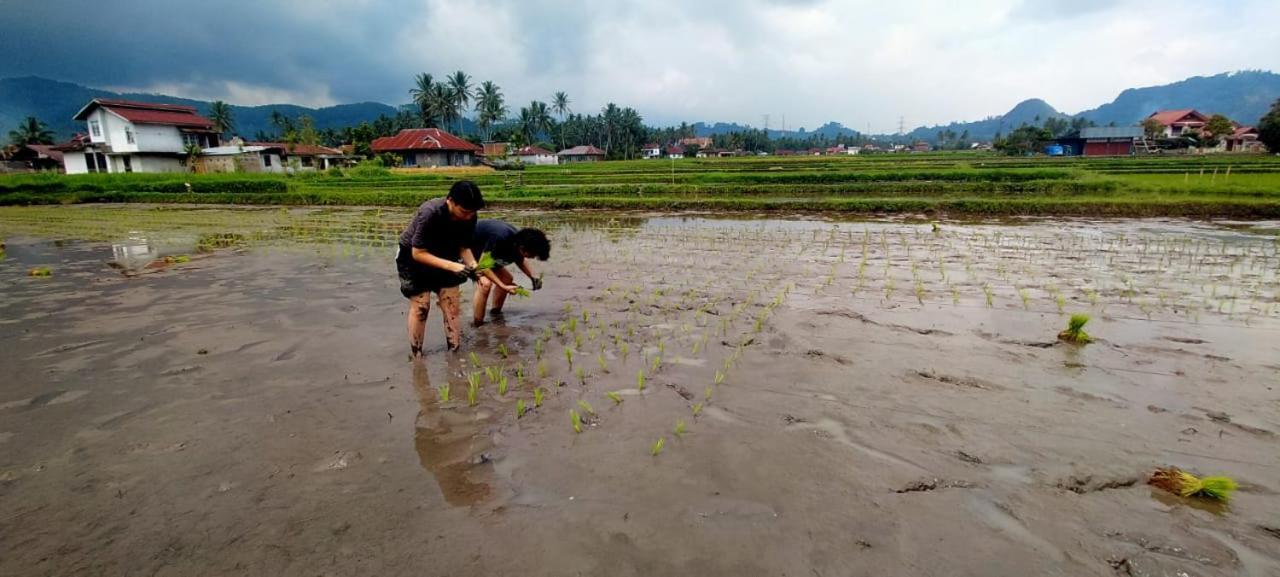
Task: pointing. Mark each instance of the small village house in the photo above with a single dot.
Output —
(308, 157)
(699, 141)
(584, 153)
(243, 158)
(651, 150)
(1177, 122)
(1108, 140)
(34, 157)
(492, 149)
(427, 147)
(127, 136)
(675, 151)
(537, 155)
(1244, 139)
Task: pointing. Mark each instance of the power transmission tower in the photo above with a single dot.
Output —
(902, 126)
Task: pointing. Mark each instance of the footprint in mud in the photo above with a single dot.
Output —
(1091, 484)
(67, 348)
(1185, 340)
(50, 398)
(1157, 555)
(340, 460)
(817, 354)
(289, 353)
(180, 370)
(1084, 396)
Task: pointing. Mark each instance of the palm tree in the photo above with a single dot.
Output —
(460, 86)
(421, 94)
(540, 116)
(489, 106)
(611, 117)
(31, 131)
(560, 104)
(444, 103)
(223, 119)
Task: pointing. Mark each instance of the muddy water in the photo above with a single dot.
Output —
(871, 398)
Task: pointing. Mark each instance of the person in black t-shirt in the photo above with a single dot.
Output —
(507, 246)
(434, 257)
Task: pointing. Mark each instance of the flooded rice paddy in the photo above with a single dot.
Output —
(227, 392)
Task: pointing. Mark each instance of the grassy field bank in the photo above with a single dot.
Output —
(947, 183)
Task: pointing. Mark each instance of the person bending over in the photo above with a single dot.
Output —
(507, 246)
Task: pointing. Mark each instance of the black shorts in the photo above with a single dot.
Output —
(417, 278)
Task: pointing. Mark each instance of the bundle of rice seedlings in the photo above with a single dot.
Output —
(486, 262)
(42, 271)
(1185, 484)
(1075, 330)
(523, 292)
(657, 447)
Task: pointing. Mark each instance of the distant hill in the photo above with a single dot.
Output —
(829, 130)
(1241, 96)
(54, 103)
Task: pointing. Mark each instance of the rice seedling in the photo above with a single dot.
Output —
(720, 376)
(537, 349)
(1026, 298)
(657, 447)
(537, 397)
(542, 369)
(1075, 330)
(586, 407)
(40, 272)
(568, 356)
(625, 349)
(520, 408)
(615, 397)
(986, 291)
(680, 428)
(443, 391)
(523, 292)
(492, 373)
(576, 420)
(475, 360)
(697, 409)
(577, 340)
(581, 374)
(502, 385)
(640, 380)
(706, 393)
(604, 364)
(502, 350)
(653, 366)
(486, 262)
(1185, 484)
(473, 392)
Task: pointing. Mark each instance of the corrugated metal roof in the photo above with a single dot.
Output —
(147, 113)
(300, 149)
(586, 150)
(1111, 132)
(422, 139)
(232, 150)
(533, 151)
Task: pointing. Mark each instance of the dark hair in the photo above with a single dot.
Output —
(534, 241)
(466, 194)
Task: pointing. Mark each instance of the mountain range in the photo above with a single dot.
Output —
(1242, 96)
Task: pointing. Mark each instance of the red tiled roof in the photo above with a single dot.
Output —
(1243, 130)
(422, 139)
(585, 150)
(675, 149)
(298, 149)
(533, 151)
(148, 113)
(1169, 117)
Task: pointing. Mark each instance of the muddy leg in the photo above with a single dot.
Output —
(450, 301)
(499, 295)
(419, 306)
(483, 286)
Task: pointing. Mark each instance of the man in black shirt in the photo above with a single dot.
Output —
(434, 257)
(507, 246)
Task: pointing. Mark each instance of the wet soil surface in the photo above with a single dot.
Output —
(844, 406)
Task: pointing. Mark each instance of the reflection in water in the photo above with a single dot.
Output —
(1210, 505)
(451, 444)
(134, 252)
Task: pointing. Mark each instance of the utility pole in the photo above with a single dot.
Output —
(902, 126)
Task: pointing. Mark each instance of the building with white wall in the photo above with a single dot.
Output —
(536, 155)
(127, 136)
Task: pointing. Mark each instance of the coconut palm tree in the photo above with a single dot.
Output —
(560, 104)
(460, 86)
(223, 119)
(489, 106)
(422, 94)
(611, 116)
(444, 103)
(540, 115)
(31, 131)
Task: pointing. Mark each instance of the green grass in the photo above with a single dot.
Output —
(936, 184)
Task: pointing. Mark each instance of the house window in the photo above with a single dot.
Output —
(102, 162)
(266, 160)
(128, 163)
(307, 161)
(90, 163)
(96, 128)
(188, 139)
(128, 134)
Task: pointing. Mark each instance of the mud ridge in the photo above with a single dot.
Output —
(933, 485)
(967, 382)
(1090, 484)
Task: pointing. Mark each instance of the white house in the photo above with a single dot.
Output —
(651, 150)
(536, 155)
(243, 158)
(125, 136)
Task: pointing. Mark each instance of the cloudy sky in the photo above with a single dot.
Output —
(864, 64)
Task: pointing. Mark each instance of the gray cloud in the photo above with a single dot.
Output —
(858, 63)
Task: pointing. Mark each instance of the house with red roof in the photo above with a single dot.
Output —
(1244, 139)
(1176, 122)
(675, 151)
(427, 148)
(584, 153)
(651, 150)
(128, 136)
(536, 155)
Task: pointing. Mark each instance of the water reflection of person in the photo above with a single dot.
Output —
(446, 441)
(507, 246)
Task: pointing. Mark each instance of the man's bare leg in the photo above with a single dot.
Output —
(450, 301)
(500, 296)
(419, 306)
(483, 287)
